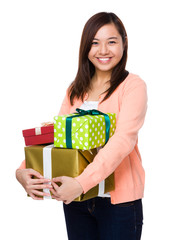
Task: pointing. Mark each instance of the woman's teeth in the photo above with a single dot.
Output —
(104, 60)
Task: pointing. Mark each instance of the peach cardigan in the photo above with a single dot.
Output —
(120, 155)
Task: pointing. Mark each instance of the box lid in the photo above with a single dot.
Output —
(38, 130)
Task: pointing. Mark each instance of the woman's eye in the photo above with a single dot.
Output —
(112, 42)
(94, 43)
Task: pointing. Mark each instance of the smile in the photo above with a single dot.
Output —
(104, 60)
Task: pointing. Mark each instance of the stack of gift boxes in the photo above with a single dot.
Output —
(66, 147)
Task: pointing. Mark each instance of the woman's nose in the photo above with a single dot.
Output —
(103, 49)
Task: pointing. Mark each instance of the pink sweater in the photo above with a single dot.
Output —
(120, 155)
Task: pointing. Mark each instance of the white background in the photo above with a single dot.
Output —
(39, 44)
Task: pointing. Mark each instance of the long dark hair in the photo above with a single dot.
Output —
(86, 69)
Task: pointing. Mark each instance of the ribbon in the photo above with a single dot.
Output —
(47, 166)
(101, 188)
(83, 113)
(38, 131)
(44, 124)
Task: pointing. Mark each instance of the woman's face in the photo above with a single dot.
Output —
(107, 48)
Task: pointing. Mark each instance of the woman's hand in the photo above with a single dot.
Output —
(32, 186)
(68, 191)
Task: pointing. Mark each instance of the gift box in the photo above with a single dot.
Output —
(39, 135)
(54, 162)
(83, 130)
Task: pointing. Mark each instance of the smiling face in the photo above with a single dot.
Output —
(107, 48)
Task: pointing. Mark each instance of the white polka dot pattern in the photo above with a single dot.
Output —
(88, 131)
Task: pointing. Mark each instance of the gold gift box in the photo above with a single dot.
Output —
(66, 162)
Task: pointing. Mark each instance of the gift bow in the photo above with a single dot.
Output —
(44, 124)
(83, 113)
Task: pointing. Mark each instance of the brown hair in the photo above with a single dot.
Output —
(80, 86)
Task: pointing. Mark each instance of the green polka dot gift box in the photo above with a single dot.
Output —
(83, 130)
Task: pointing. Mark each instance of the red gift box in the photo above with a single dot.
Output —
(39, 135)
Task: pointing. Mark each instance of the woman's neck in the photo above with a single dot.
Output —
(101, 78)
(99, 84)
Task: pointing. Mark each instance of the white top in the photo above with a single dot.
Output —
(89, 105)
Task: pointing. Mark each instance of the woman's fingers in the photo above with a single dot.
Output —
(35, 197)
(39, 193)
(40, 181)
(35, 173)
(41, 186)
(55, 189)
(56, 198)
(34, 189)
(58, 179)
(55, 186)
(34, 185)
(54, 192)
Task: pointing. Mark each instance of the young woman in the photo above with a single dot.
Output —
(103, 83)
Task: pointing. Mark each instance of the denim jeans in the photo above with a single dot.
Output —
(98, 219)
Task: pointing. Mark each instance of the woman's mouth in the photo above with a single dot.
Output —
(104, 59)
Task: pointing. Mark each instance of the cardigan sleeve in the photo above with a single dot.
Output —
(131, 118)
(65, 107)
(23, 165)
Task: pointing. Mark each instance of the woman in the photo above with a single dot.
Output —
(103, 83)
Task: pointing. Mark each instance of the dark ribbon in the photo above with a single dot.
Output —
(82, 113)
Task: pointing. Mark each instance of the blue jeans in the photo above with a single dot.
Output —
(98, 219)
